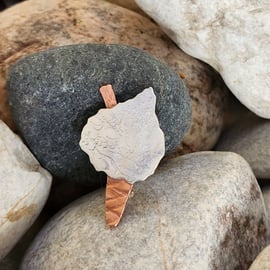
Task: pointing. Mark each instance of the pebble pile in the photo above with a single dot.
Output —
(207, 205)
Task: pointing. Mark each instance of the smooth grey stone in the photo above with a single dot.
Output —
(53, 93)
(209, 214)
(250, 139)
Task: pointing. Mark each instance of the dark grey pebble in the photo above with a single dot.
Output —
(53, 93)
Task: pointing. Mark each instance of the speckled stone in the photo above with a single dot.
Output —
(210, 199)
(36, 25)
(250, 138)
(53, 93)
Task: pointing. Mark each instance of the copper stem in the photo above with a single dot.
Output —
(117, 190)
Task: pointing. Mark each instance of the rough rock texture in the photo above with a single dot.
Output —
(37, 25)
(251, 140)
(128, 146)
(24, 188)
(232, 36)
(53, 93)
(192, 221)
(262, 262)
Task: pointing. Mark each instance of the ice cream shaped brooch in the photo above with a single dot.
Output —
(125, 141)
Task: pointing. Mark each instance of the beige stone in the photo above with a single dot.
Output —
(199, 211)
(266, 197)
(24, 188)
(36, 25)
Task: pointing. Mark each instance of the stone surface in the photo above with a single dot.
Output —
(232, 36)
(236, 112)
(262, 262)
(24, 188)
(186, 216)
(37, 25)
(125, 141)
(266, 196)
(250, 139)
(53, 93)
(14, 258)
(208, 107)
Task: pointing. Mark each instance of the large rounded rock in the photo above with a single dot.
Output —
(250, 139)
(199, 211)
(24, 188)
(53, 93)
(232, 36)
(40, 24)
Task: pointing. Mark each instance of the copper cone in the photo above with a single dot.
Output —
(117, 190)
(117, 194)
